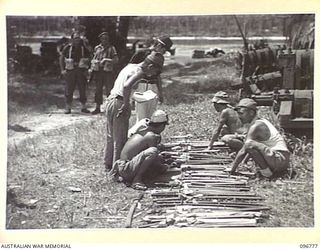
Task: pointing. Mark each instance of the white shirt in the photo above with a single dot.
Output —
(275, 141)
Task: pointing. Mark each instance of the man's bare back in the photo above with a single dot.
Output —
(139, 142)
(231, 119)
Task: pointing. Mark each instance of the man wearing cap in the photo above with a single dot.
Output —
(102, 66)
(74, 63)
(140, 157)
(118, 108)
(229, 122)
(161, 45)
(263, 143)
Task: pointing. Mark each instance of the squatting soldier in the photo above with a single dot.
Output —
(74, 63)
(140, 157)
(102, 65)
(263, 143)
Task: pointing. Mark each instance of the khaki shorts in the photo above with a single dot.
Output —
(278, 161)
(128, 169)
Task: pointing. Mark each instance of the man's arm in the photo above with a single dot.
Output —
(61, 61)
(239, 158)
(160, 90)
(216, 132)
(257, 132)
(115, 57)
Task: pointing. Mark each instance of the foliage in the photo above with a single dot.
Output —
(145, 26)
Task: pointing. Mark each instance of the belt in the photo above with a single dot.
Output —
(119, 97)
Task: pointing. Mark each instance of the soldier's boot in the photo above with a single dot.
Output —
(97, 110)
(68, 109)
(84, 108)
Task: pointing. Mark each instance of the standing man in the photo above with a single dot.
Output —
(140, 157)
(102, 65)
(263, 143)
(161, 45)
(74, 63)
(229, 122)
(118, 108)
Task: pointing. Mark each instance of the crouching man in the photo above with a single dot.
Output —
(140, 157)
(229, 122)
(263, 142)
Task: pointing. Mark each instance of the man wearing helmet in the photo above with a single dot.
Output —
(140, 156)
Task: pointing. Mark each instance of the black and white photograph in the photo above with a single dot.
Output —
(160, 121)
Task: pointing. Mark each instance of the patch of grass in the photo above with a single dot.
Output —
(44, 171)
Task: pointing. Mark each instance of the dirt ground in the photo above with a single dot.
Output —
(55, 174)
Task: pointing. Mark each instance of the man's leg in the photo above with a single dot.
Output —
(120, 129)
(225, 130)
(267, 158)
(232, 141)
(143, 163)
(82, 85)
(108, 152)
(156, 168)
(69, 89)
(98, 92)
(108, 79)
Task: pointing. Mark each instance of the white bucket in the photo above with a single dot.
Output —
(146, 104)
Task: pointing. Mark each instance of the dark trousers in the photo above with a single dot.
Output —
(103, 79)
(75, 77)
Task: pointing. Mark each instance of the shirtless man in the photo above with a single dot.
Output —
(140, 155)
(263, 143)
(229, 122)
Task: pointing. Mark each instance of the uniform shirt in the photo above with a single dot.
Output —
(124, 75)
(101, 52)
(76, 52)
(275, 141)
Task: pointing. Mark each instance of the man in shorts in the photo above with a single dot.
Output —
(140, 156)
(263, 143)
